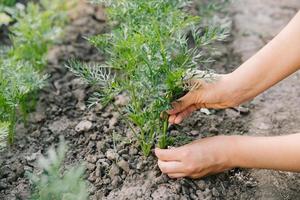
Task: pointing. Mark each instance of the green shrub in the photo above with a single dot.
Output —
(53, 184)
(148, 53)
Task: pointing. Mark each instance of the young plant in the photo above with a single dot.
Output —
(7, 2)
(35, 29)
(54, 184)
(148, 53)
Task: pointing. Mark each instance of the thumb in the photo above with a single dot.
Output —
(182, 103)
(167, 154)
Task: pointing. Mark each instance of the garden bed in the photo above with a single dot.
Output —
(116, 167)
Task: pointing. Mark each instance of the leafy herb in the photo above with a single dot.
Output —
(149, 52)
(36, 28)
(55, 185)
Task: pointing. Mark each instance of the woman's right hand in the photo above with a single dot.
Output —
(217, 95)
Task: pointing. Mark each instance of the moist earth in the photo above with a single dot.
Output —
(116, 168)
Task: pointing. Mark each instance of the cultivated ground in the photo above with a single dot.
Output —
(115, 167)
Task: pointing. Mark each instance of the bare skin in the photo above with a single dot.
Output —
(274, 62)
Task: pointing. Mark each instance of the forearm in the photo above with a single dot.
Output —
(277, 60)
(279, 153)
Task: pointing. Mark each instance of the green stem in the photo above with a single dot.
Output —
(12, 126)
(163, 140)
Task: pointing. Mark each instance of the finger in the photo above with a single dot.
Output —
(167, 154)
(170, 166)
(181, 116)
(172, 119)
(176, 175)
(182, 103)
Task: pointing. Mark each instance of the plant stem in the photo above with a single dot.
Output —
(12, 126)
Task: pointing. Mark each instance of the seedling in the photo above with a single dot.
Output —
(148, 53)
(55, 185)
(35, 29)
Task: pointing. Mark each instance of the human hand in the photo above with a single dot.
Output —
(199, 158)
(217, 95)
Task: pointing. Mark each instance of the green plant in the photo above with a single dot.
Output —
(7, 2)
(54, 184)
(18, 79)
(35, 29)
(148, 53)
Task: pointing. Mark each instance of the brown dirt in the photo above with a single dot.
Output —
(61, 108)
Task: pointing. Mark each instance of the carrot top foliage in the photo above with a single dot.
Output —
(35, 29)
(148, 53)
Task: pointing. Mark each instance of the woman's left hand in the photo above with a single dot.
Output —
(199, 158)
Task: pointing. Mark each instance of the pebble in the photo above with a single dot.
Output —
(111, 155)
(91, 159)
(92, 177)
(124, 165)
(114, 171)
(84, 125)
(90, 166)
(116, 180)
(133, 151)
(3, 185)
(215, 192)
(93, 136)
(98, 171)
(112, 122)
(194, 133)
(232, 113)
(100, 146)
(202, 185)
(200, 194)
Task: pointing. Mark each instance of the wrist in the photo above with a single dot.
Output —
(234, 92)
(232, 151)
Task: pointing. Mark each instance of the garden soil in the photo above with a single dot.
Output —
(97, 136)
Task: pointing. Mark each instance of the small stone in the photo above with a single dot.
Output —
(81, 106)
(124, 165)
(100, 146)
(122, 100)
(202, 185)
(114, 171)
(79, 94)
(90, 166)
(205, 111)
(200, 194)
(32, 157)
(112, 122)
(3, 185)
(91, 159)
(116, 180)
(213, 130)
(122, 151)
(93, 136)
(98, 171)
(39, 117)
(244, 110)
(215, 192)
(92, 177)
(194, 133)
(133, 151)
(232, 113)
(111, 155)
(84, 125)
(100, 16)
(60, 125)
